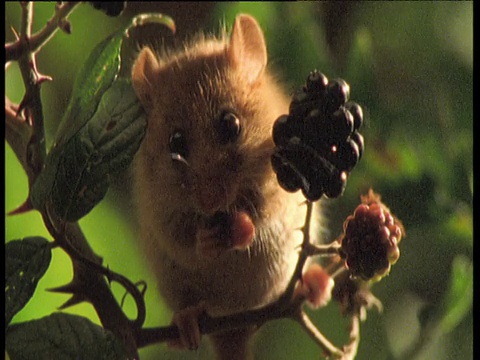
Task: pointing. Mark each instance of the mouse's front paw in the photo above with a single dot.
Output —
(223, 232)
(315, 286)
(208, 245)
(187, 322)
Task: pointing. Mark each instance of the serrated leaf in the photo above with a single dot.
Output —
(62, 336)
(26, 261)
(97, 75)
(102, 148)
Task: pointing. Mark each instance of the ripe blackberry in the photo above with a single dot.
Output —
(370, 241)
(318, 141)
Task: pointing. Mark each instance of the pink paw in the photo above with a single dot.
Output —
(316, 286)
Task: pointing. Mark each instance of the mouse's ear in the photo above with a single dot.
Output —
(143, 73)
(246, 50)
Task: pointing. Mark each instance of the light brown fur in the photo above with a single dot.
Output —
(187, 90)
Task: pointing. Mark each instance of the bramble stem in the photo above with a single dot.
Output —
(302, 257)
(350, 349)
(330, 350)
(13, 51)
(323, 250)
(31, 105)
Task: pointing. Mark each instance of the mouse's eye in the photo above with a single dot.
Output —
(228, 127)
(178, 145)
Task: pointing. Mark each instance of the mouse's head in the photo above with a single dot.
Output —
(211, 109)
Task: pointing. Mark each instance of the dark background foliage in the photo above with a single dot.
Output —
(409, 64)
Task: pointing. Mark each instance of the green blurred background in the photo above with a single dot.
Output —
(410, 66)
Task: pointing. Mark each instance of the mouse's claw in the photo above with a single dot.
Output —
(187, 322)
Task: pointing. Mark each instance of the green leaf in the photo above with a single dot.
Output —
(102, 148)
(98, 74)
(62, 336)
(26, 261)
(456, 302)
(95, 77)
(459, 297)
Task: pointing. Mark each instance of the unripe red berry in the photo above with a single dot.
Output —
(370, 239)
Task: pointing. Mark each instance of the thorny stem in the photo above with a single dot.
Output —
(13, 51)
(302, 258)
(31, 105)
(67, 241)
(89, 284)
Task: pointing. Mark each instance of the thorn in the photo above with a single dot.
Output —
(15, 33)
(108, 275)
(25, 207)
(65, 26)
(304, 202)
(24, 103)
(42, 78)
(70, 288)
(74, 300)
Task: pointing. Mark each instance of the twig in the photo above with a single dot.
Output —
(14, 50)
(329, 349)
(350, 350)
(208, 324)
(31, 103)
(302, 258)
(92, 263)
(323, 250)
(90, 285)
